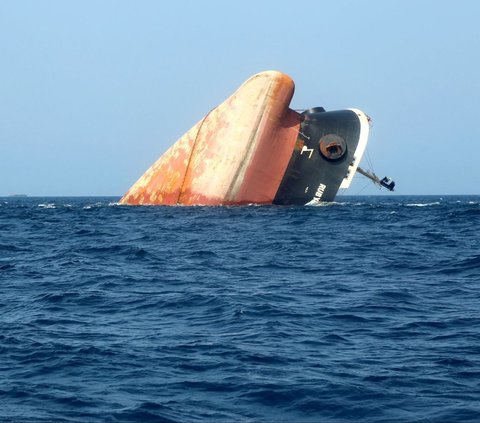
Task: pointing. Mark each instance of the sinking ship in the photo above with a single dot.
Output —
(254, 149)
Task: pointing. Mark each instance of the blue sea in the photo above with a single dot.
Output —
(367, 309)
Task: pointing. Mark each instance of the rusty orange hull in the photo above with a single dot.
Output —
(245, 151)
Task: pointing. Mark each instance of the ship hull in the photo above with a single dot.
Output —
(254, 149)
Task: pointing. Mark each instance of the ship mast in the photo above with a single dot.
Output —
(386, 182)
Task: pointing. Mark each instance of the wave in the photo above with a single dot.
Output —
(436, 203)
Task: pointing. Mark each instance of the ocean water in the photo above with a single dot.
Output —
(367, 309)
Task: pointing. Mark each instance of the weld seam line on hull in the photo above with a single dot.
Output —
(181, 192)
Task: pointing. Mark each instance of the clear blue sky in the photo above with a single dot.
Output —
(93, 92)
